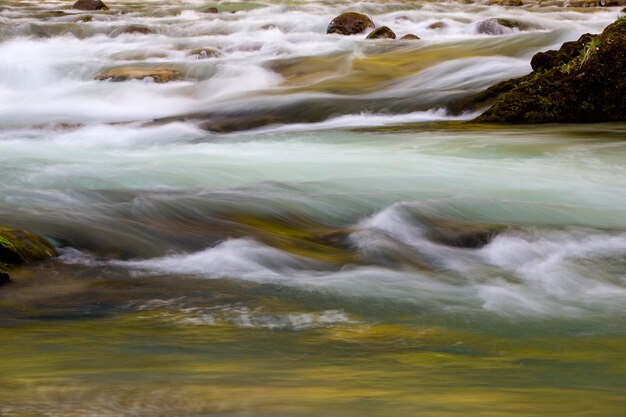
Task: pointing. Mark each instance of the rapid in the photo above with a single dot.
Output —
(297, 226)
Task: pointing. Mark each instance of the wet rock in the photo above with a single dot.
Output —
(436, 26)
(138, 29)
(159, 75)
(589, 88)
(204, 53)
(90, 5)
(350, 24)
(382, 32)
(544, 61)
(210, 9)
(409, 37)
(500, 26)
(18, 247)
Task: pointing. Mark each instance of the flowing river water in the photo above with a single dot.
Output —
(297, 227)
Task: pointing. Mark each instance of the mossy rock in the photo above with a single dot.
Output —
(18, 247)
(544, 61)
(588, 88)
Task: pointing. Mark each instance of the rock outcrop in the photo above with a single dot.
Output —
(590, 87)
(90, 5)
(382, 32)
(350, 23)
(19, 247)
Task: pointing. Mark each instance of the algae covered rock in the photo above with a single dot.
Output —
(350, 23)
(90, 5)
(589, 88)
(382, 32)
(19, 247)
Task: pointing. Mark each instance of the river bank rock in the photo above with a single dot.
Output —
(382, 32)
(19, 247)
(350, 23)
(90, 5)
(591, 87)
(159, 75)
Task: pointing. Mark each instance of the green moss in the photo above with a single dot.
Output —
(21, 247)
(589, 88)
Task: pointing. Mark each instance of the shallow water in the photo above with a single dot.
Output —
(298, 228)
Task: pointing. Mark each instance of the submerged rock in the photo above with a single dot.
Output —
(589, 88)
(500, 26)
(90, 5)
(140, 29)
(436, 25)
(409, 37)
(350, 23)
(204, 53)
(159, 75)
(382, 32)
(83, 19)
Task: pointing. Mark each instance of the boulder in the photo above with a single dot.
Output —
(350, 23)
(19, 247)
(140, 29)
(382, 32)
(589, 88)
(204, 53)
(90, 5)
(409, 37)
(159, 75)
(544, 61)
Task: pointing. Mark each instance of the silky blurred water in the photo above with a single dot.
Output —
(298, 227)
